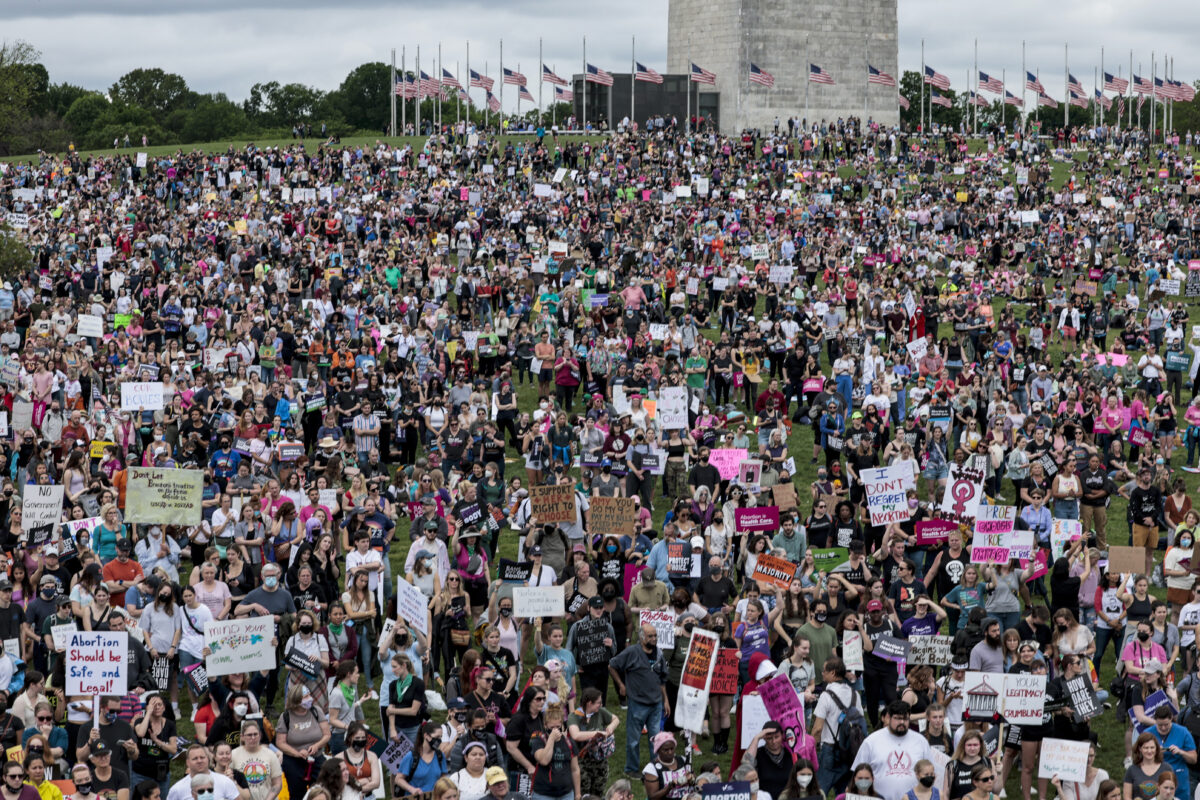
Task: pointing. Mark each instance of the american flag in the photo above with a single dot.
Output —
(406, 87)
(464, 97)
(549, 77)
(492, 102)
(1142, 85)
(513, 78)
(701, 75)
(523, 94)
(1120, 105)
(482, 81)
(1078, 99)
(1161, 90)
(818, 75)
(563, 95)
(1113, 84)
(903, 102)
(597, 75)
(976, 100)
(1188, 92)
(1141, 101)
(1033, 84)
(937, 79)
(1073, 84)
(427, 86)
(1011, 99)
(761, 76)
(646, 74)
(1047, 101)
(938, 99)
(448, 79)
(990, 84)
(1104, 102)
(877, 76)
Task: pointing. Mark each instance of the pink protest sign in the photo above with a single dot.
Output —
(631, 574)
(727, 460)
(934, 531)
(1139, 438)
(1042, 561)
(813, 385)
(759, 518)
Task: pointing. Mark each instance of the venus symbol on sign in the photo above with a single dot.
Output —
(962, 491)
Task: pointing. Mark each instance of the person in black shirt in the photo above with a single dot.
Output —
(715, 590)
(1097, 488)
(1145, 505)
(704, 474)
(1034, 627)
(819, 526)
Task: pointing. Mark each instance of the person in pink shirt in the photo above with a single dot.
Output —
(633, 296)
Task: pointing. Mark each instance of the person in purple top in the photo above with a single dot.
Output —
(927, 619)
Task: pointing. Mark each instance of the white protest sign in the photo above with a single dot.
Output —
(887, 499)
(22, 415)
(145, 395)
(141, 160)
(852, 650)
(1063, 532)
(664, 624)
(90, 325)
(672, 408)
(752, 713)
(97, 663)
(1063, 759)
(917, 349)
(538, 601)
(964, 489)
(759, 252)
(1024, 697)
(239, 645)
(41, 505)
(61, 634)
(412, 606)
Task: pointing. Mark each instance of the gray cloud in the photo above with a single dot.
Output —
(231, 44)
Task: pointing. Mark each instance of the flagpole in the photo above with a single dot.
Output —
(404, 82)
(585, 85)
(1095, 100)
(1024, 76)
(808, 75)
(921, 118)
(1153, 99)
(417, 101)
(1067, 81)
(440, 78)
(458, 98)
(487, 109)
(1102, 74)
(518, 92)
(501, 86)
(866, 83)
(1131, 89)
(1003, 99)
(467, 88)
(541, 70)
(392, 117)
(632, 79)
(687, 124)
(975, 106)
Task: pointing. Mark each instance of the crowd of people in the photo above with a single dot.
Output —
(374, 353)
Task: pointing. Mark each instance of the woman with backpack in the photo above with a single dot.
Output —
(424, 764)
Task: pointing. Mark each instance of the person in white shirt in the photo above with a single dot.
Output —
(893, 753)
(200, 777)
(364, 559)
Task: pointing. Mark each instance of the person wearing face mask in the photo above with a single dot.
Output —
(926, 778)
(81, 776)
(228, 725)
(592, 641)
(362, 764)
(301, 734)
(114, 734)
(62, 616)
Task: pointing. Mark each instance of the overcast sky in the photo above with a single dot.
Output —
(231, 44)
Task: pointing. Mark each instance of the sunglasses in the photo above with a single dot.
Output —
(45, 719)
(986, 778)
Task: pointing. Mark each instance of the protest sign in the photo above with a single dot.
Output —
(827, 559)
(917, 349)
(290, 451)
(538, 601)
(733, 790)
(727, 460)
(759, 252)
(672, 408)
(889, 648)
(144, 395)
(552, 503)
(1083, 697)
(97, 663)
(514, 571)
(196, 678)
(774, 570)
(964, 490)
(993, 525)
(981, 693)
(752, 715)
(1062, 533)
(164, 496)
(297, 661)
(1149, 706)
(784, 495)
(1024, 695)
(22, 415)
(612, 515)
(784, 706)
(90, 325)
(239, 645)
(41, 506)
(756, 518)
(413, 607)
(1126, 560)
(750, 475)
(694, 681)
(1020, 544)
(1139, 437)
(393, 755)
(933, 650)
(1064, 759)
(852, 650)
(664, 624)
(61, 634)
(725, 673)
(934, 531)
(886, 497)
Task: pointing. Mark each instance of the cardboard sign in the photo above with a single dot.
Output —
(1126, 560)
(774, 570)
(886, 497)
(97, 663)
(784, 495)
(552, 503)
(612, 515)
(538, 601)
(239, 645)
(1064, 759)
(756, 518)
(725, 673)
(164, 496)
(145, 395)
(933, 650)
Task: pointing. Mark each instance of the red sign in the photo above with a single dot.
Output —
(725, 673)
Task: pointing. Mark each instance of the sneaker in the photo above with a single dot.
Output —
(696, 749)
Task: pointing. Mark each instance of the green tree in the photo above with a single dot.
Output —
(19, 84)
(82, 115)
(15, 257)
(364, 98)
(60, 96)
(153, 89)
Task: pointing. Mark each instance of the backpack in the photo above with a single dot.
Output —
(851, 731)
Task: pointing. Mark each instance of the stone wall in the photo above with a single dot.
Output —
(724, 36)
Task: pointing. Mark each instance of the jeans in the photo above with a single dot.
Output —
(830, 775)
(1103, 636)
(639, 715)
(1007, 619)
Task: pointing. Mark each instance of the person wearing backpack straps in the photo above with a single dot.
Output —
(839, 727)
(424, 764)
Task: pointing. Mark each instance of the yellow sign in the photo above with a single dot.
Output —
(97, 449)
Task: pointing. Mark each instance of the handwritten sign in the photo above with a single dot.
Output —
(695, 679)
(145, 395)
(727, 460)
(886, 497)
(239, 645)
(992, 528)
(725, 673)
(413, 607)
(852, 650)
(97, 663)
(784, 705)
(612, 516)
(934, 650)
(164, 496)
(41, 506)
(552, 503)
(1062, 533)
(90, 325)
(1024, 697)
(664, 624)
(774, 570)
(538, 601)
(964, 490)
(1064, 759)
(672, 408)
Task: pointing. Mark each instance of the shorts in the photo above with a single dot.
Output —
(1178, 597)
(1145, 536)
(937, 473)
(545, 375)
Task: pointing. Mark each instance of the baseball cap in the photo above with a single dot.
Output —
(495, 775)
(100, 748)
(874, 605)
(536, 550)
(595, 601)
(124, 544)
